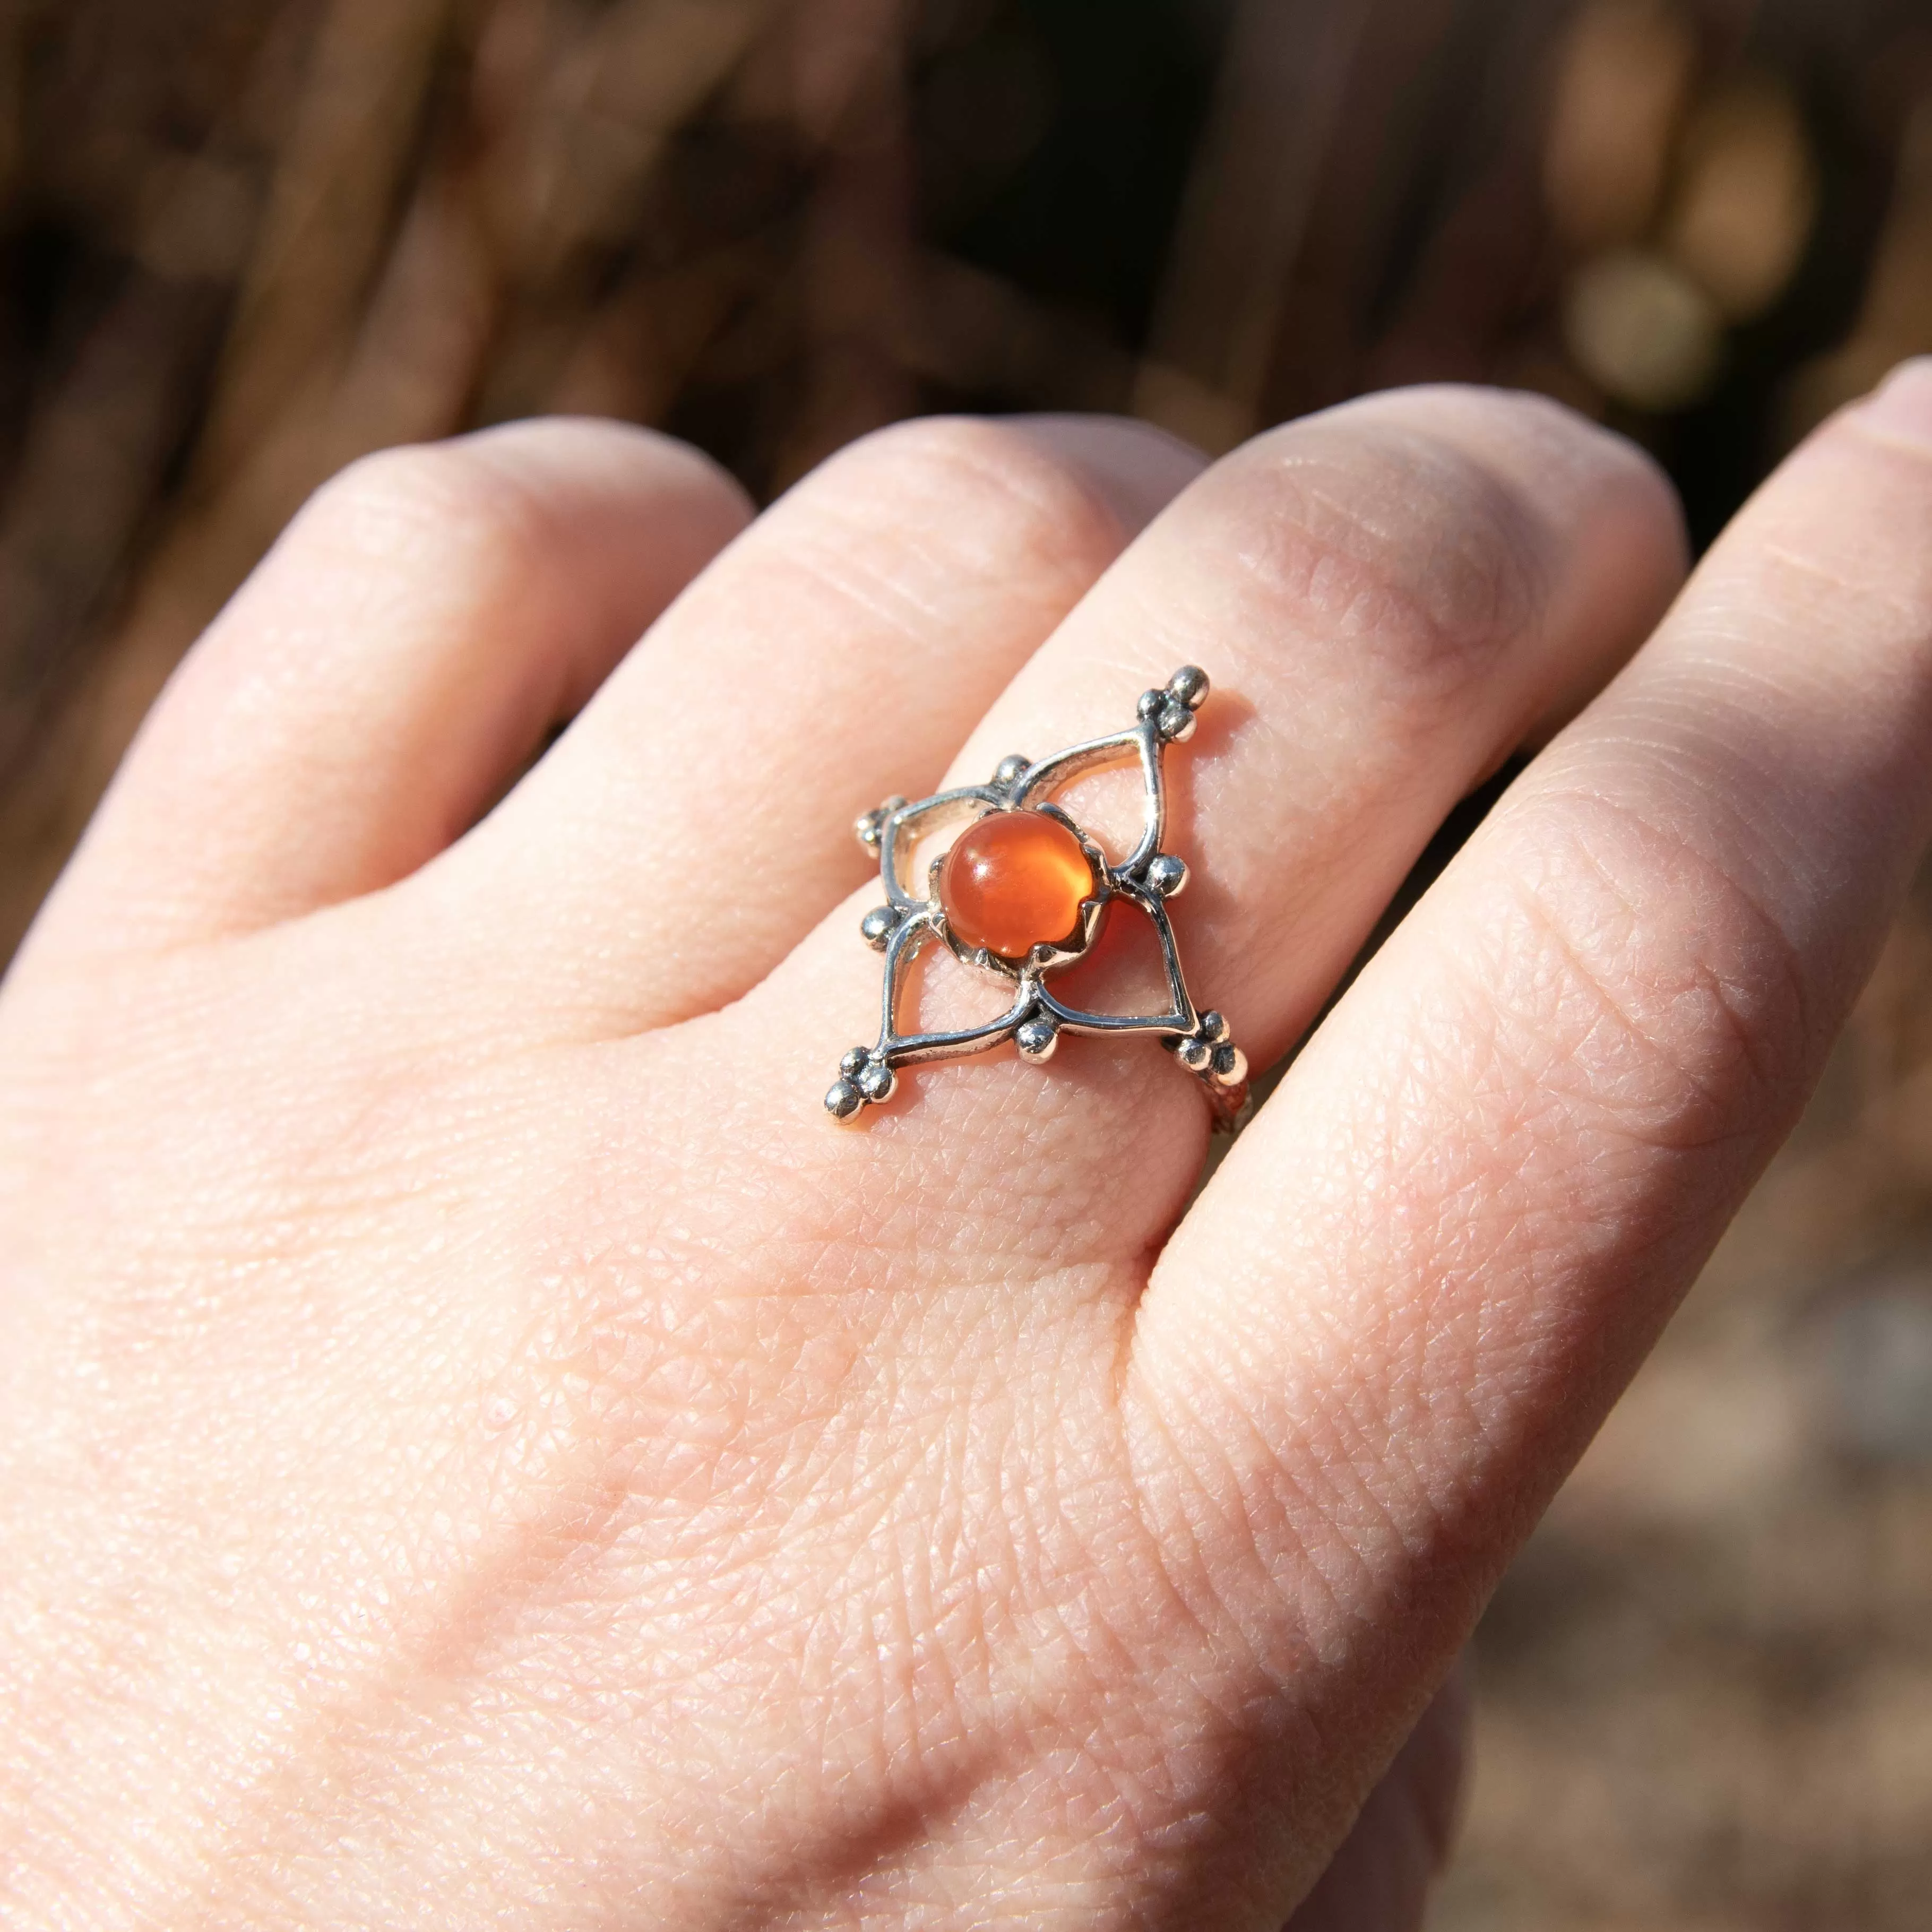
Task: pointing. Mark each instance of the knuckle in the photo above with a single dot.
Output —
(1645, 984)
(1389, 541)
(441, 502)
(983, 484)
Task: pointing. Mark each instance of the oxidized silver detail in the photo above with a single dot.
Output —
(1166, 875)
(1037, 1038)
(1036, 1019)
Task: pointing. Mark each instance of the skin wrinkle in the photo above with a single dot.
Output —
(1425, 640)
(1060, 513)
(1769, 978)
(1772, 842)
(489, 562)
(1407, 1428)
(1209, 1506)
(1440, 627)
(1769, 845)
(984, 1215)
(832, 565)
(1365, 1433)
(1823, 580)
(405, 505)
(1621, 1167)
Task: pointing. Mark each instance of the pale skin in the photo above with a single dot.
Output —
(479, 1448)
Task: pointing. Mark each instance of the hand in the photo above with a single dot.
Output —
(480, 1448)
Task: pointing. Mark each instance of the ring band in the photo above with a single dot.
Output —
(1022, 892)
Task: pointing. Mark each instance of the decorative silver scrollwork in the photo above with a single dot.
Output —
(914, 916)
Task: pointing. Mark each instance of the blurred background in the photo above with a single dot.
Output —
(242, 242)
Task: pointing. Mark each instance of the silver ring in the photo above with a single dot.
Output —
(1016, 932)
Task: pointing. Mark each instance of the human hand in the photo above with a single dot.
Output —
(480, 1448)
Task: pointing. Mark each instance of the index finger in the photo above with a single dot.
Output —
(1406, 1302)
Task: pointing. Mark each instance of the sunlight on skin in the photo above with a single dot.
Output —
(481, 1449)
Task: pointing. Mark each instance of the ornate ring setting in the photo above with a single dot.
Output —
(1024, 891)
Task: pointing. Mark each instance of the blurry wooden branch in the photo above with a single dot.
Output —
(402, 217)
(1249, 201)
(243, 245)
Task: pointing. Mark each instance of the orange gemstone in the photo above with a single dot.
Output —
(1014, 880)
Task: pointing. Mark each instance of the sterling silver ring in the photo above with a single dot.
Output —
(1022, 892)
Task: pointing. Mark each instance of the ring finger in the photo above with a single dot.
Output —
(1389, 597)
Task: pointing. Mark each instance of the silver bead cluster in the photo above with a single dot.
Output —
(1209, 1052)
(1171, 711)
(863, 1075)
